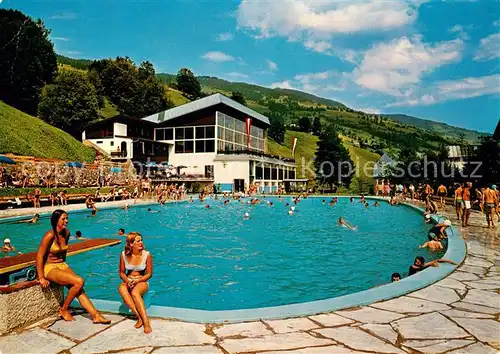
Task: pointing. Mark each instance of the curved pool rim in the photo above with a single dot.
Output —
(456, 252)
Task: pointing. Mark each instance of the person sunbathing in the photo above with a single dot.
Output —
(136, 268)
(51, 267)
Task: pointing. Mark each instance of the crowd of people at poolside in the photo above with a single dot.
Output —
(465, 197)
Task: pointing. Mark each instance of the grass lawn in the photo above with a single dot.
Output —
(304, 152)
(22, 134)
(176, 97)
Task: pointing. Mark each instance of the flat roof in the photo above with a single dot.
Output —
(203, 103)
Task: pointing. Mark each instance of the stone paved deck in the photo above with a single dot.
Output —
(457, 315)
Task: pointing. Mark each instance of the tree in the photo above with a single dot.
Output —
(316, 126)
(188, 83)
(238, 97)
(486, 161)
(69, 103)
(305, 124)
(27, 60)
(135, 91)
(333, 164)
(277, 129)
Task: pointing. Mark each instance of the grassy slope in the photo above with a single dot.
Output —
(364, 161)
(176, 97)
(304, 152)
(22, 134)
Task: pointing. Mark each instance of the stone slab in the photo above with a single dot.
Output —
(451, 283)
(358, 339)
(292, 325)
(250, 329)
(436, 346)
(82, 327)
(332, 349)
(484, 298)
(473, 270)
(477, 262)
(437, 294)
(483, 329)
(428, 326)
(466, 314)
(484, 284)
(35, 340)
(474, 308)
(463, 276)
(206, 349)
(165, 333)
(382, 330)
(407, 304)
(331, 320)
(273, 342)
(477, 348)
(370, 315)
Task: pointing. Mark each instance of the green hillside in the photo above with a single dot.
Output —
(437, 127)
(22, 134)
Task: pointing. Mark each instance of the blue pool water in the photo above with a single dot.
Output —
(213, 259)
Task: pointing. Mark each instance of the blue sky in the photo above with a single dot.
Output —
(432, 59)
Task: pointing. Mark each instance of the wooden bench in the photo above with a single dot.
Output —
(26, 302)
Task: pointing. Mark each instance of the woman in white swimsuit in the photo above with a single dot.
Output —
(136, 268)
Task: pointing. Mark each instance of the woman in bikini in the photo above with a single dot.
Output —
(136, 268)
(51, 267)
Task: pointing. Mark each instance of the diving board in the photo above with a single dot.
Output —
(11, 264)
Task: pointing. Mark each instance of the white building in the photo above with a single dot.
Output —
(208, 136)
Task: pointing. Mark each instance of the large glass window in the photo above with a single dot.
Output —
(160, 134)
(169, 134)
(231, 130)
(188, 133)
(179, 133)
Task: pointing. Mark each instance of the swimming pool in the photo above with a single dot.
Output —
(213, 259)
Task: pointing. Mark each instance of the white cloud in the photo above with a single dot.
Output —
(62, 39)
(63, 16)
(217, 56)
(470, 87)
(237, 75)
(270, 17)
(272, 65)
(318, 46)
(226, 36)
(453, 90)
(489, 48)
(284, 85)
(396, 67)
(305, 78)
(369, 110)
(460, 30)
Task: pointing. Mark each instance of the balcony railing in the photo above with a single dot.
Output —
(254, 153)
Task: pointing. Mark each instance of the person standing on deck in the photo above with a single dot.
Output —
(458, 201)
(490, 203)
(442, 193)
(466, 204)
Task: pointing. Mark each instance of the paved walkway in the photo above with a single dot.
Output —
(78, 206)
(459, 314)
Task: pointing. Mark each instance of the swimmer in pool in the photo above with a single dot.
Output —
(246, 216)
(33, 220)
(433, 245)
(342, 222)
(376, 204)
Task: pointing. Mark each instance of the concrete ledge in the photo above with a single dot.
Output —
(23, 305)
